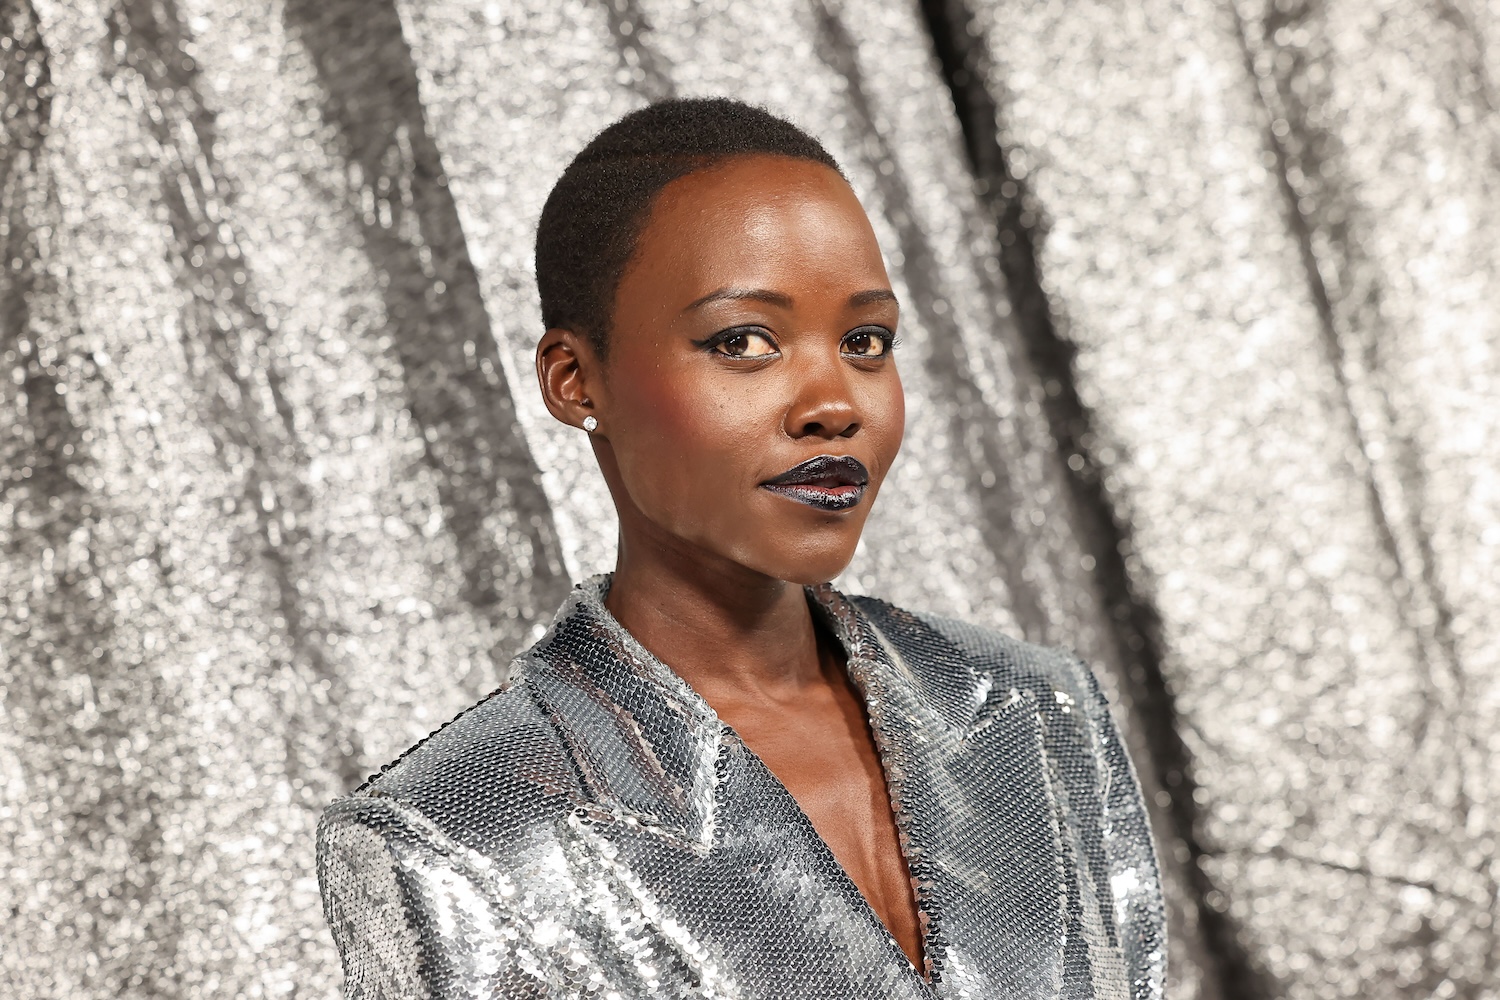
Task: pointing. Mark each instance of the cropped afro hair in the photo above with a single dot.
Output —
(595, 213)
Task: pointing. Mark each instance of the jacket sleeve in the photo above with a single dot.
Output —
(416, 917)
(1130, 857)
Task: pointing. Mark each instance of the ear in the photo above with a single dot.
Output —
(570, 375)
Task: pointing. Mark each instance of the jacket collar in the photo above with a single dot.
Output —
(971, 787)
(645, 743)
(647, 748)
(625, 714)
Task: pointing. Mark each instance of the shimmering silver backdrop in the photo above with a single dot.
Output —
(1203, 367)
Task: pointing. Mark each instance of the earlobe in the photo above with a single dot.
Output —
(566, 370)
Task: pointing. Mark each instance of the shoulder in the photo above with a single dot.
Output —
(489, 777)
(456, 841)
(929, 641)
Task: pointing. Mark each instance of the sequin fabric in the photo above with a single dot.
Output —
(278, 494)
(593, 829)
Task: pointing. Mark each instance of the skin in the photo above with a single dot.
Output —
(711, 566)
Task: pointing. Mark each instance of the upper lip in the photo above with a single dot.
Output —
(824, 470)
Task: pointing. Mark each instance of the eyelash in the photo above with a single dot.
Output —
(888, 337)
(711, 343)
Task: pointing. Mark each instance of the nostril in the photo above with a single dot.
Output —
(819, 429)
(825, 418)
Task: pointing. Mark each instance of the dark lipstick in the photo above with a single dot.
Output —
(827, 482)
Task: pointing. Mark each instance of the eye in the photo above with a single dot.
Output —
(868, 342)
(742, 342)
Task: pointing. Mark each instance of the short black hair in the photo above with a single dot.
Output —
(595, 213)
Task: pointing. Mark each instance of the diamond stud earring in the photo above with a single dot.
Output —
(590, 423)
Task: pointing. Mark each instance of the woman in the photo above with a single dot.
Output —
(715, 775)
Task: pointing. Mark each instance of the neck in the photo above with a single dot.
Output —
(729, 632)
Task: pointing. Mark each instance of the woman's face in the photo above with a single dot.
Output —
(750, 406)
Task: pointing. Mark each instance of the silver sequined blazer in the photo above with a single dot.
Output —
(593, 830)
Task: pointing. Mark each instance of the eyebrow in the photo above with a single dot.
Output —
(872, 295)
(784, 301)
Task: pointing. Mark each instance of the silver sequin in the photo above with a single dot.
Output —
(593, 829)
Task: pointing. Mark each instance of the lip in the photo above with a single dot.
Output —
(826, 482)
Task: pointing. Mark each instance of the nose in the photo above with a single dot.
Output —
(822, 405)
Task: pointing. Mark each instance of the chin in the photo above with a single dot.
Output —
(813, 565)
(781, 549)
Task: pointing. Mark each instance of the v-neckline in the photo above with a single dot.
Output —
(850, 888)
(861, 670)
(823, 626)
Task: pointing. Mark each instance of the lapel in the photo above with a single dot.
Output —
(962, 752)
(972, 789)
(646, 745)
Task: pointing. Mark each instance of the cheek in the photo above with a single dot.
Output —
(685, 444)
(677, 418)
(886, 421)
(898, 418)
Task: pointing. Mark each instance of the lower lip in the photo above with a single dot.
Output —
(821, 497)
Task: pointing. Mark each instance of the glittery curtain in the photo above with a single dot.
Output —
(1203, 368)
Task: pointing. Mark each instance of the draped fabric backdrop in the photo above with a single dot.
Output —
(1203, 366)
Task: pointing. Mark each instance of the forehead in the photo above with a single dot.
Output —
(761, 221)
